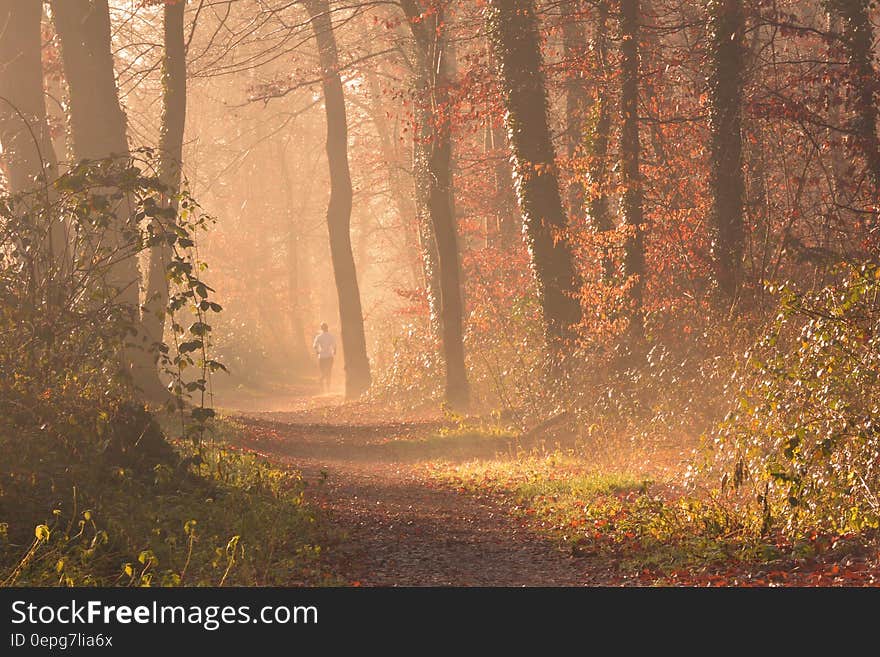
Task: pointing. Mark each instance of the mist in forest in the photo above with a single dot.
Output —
(606, 242)
(361, 153)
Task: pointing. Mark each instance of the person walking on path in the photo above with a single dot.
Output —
(325, 348)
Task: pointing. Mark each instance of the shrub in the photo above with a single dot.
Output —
(802, 441)
(91, 493)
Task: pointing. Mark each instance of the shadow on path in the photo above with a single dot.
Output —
(400, 529)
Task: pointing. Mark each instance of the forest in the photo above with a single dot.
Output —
(559, 293)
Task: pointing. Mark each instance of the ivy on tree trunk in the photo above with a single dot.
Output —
(726, 221)
(513, 34)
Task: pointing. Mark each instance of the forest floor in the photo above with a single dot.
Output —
(418, 502)
(399, 526)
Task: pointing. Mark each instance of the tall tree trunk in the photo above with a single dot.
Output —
(598, 209)
(427, 239)
(97, 123)
(98, 131)
(170, 163)
(507, 215)
(727, 25)
(630, 154)
(28, 155)
(577, 99)
(513, 33)
(354, 345)
(857, 39)
(433, 172)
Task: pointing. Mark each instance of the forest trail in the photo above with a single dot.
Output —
(399, 527)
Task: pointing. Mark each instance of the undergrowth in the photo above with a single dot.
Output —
(212, 516)
(636, 527)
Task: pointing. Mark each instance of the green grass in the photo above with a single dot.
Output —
(463, 438)
(448, 444)
(212, 517)
(638, 527)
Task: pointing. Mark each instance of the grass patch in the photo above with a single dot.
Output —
(457, 443)
(215, 516)
(466, 437)
(639, 528)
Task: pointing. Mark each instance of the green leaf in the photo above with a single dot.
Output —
(191, 345)
(200, 329)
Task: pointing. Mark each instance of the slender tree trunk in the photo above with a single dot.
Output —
(577, 99)
(491, 220)
(427, 240)
(354, 345)
(630, 154)
(857, 39)
(599, 211)
(513, 32)
(170, 163)
(433, 173)
(727, 25)
(427, 243)
(28, 154)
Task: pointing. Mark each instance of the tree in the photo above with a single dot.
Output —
(857, 39)
(726, 25)
(354, 345)
(28, 155)
(432, 168)
(97, 122)
(577, 98)
(506, 224)
(630, 155)
(24, 131)
(513, 34)
(98, 132)
(170, 163)
(598, 211)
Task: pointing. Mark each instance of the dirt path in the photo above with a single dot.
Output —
(399, 528)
